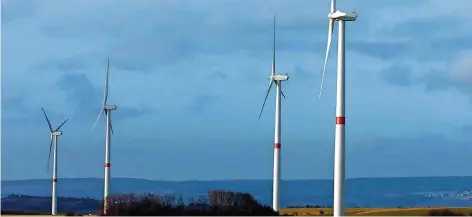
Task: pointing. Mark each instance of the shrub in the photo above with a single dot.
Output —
(217, 202)
(443, 212)
(69, 213)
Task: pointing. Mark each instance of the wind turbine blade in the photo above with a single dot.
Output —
(59, 127)
(281, 92)
(111, 126)
(49, 157)
(47, 119)
(328, 46)
(333, 6)
(265, 99)
(96, 121)
(273, 53)
(105, 98)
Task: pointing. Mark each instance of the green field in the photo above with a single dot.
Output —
(374, 211)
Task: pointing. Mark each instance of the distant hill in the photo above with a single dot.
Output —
(34, 204)
(365, 192)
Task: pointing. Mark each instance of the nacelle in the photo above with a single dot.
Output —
(57, 133)
(280, 77)
(110, 107)
(344, 16)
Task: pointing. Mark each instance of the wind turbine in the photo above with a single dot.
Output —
(54, 137)
(339, 144)
(109, 130)
(277, 79)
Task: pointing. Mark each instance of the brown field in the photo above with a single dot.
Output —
(420, 211)
(373, 211)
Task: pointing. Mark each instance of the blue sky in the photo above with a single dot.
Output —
(189, 79)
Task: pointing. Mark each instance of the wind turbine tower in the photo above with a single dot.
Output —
(109, 130)
(54, 137)
(277, 79)
(339, 144)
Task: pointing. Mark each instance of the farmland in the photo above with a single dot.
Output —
(418, 211)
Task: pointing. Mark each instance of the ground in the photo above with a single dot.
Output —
(373, 211)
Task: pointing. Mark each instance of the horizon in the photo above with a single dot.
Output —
(223, 180)
(189, 80)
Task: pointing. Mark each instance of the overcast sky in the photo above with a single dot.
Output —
(189, 78)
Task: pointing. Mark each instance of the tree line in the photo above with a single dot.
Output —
(216, 202)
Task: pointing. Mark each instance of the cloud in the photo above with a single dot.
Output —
(80, 92)
(18, 118)
(87, 98)
(219, 75)
(167, 41)
(204, 101)
(380, 155)
(13, 109)
(79, 63)
(461, 68)
(423, 50)
(401, 76)
(177, 64)
(466, 130)
(454, 74)
(17, 10)
(302, 73)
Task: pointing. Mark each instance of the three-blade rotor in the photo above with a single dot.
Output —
(105, 98)
(272, 76)
(328, 44)
(52, 136)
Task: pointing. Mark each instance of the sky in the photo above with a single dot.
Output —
(189, 79)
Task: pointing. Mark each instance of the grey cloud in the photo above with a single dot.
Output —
(422, 39)
(80, 92)
(420, 49)
(466, 130)
(170, 48)
(385, 50)
(219, 75)
(87, 98)
(87, 62)
(128, 113)
(431, 80)
(145, 42)
(13, 103)
(437, 80)
(71, 64)
(302, 73)
(17, 10)
(386, 152)
(401, 76)
(126, 65)
(429, 28)
(461, 68)
(15, 113)
(203, 101)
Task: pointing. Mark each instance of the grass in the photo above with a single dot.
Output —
(421, 211)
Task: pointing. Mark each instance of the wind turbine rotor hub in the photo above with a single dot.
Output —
(110, 107)
(57, 133)
(343, 16)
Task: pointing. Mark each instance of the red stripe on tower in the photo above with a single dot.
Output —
(341, 120)
(107, 164)
(54, 180)
(277, 146)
